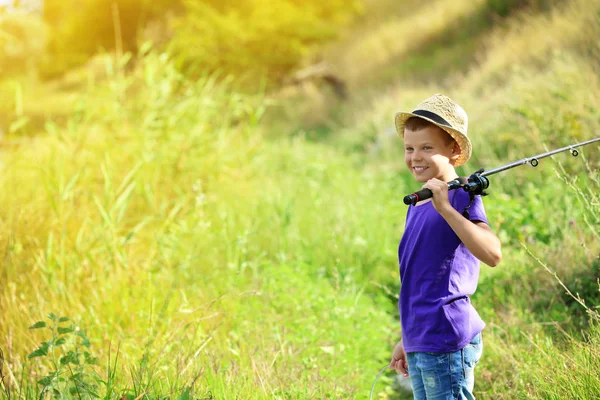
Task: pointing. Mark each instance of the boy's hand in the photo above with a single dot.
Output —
(440, 194)
(399, 362)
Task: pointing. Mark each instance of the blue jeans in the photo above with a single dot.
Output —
(445, 376)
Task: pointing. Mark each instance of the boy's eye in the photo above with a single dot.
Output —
(409, 149)
(427, 148)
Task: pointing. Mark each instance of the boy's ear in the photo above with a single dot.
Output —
(456, 152)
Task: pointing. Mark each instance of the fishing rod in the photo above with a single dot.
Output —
(477, 182)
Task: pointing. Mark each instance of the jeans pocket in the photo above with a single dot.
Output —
(476, 340)
(472, 352)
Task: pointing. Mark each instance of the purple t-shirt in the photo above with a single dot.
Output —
(438, 274)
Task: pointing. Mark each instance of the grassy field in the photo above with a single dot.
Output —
(166, 238)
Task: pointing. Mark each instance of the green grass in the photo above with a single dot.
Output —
(169, 230)
(203, 251)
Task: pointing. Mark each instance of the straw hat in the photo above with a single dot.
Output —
(445, 113)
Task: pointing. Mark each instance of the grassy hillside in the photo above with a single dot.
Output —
(199, 241)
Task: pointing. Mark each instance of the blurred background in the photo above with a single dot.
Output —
(203, 199)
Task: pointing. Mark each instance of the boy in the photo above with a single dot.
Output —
(439, 257)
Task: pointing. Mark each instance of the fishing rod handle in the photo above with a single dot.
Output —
(424, 194)
(417, 196)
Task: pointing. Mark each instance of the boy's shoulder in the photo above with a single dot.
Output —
(460, 200)
(471, 206)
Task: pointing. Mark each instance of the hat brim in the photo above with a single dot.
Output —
(463, 141)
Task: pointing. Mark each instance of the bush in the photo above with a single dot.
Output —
(251, 39)
(80, 31)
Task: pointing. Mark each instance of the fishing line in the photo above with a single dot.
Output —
(375, 381)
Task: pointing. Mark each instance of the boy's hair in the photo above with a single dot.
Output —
(415, 124)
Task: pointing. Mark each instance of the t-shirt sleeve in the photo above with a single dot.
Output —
(461, 199)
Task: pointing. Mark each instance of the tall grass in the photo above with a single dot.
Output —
(203, 254)
(161, 222)
(524, 96)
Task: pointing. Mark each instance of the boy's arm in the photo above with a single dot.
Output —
(477, 236)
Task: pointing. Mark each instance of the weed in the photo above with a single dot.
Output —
(71, 373)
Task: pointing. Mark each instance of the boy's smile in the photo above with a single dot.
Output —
(430, 153)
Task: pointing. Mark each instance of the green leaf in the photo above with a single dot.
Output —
(76, 377)
(92, 361)
(89, 359)
(63, 319)
(70, 357)
(37, 325)
(84, 340)
(62, 331)
(185, 395)
(52, 317)
(60, 341)
(46, 381)
(40, 352)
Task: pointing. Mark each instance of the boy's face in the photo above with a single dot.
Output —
(430, 153)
